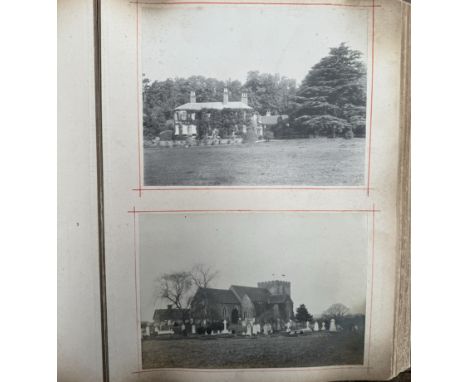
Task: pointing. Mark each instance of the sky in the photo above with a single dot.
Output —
(323, 255)
(226, 42)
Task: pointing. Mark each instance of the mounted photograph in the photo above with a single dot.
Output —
(234, 101)
(257, 290)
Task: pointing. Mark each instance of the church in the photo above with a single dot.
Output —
(270, 302)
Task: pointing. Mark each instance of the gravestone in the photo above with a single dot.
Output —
(332, 325)
(288, 326)
(147, 330)
(323, 326)
(316, 327)
(194, 329)
(265, 329)
(225, 331)
(257, 329)
(249, 330)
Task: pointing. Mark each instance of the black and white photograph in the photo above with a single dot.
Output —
(234, 101)
(252, 290)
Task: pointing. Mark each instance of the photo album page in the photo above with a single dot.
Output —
(252, 177)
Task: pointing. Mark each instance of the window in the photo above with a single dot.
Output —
(224, 312)
(183, 115)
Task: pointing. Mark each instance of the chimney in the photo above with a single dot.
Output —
(193, 98)
(244, 98)
(225, 97)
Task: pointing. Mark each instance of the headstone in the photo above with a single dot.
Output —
(307, 328)
(249, 330)
(194, 329)
(332, 325)
(288, 326)
(225, 331)
(323, 326)
(182, 327)
(265, 329)
(257, 329)
(316, 327)
(147, 330)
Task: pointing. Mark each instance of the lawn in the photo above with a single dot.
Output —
(316, 349)
(297, 162)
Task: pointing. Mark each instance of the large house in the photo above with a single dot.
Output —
(188, 115)
(270, 302)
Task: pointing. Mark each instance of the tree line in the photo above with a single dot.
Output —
(330, 101)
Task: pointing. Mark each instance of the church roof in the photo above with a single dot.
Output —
(255, 294)
(225, 296)
(197, 106)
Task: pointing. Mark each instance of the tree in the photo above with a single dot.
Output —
(176, 288)
(202, 275)
(302, 314)
(336, 311)
(332, 98)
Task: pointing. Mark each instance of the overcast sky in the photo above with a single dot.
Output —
(322, 255)
(225, 42)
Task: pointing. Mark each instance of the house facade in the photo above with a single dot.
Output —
(189, 117)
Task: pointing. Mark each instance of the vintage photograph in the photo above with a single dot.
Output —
(269, 96)
(252, 290)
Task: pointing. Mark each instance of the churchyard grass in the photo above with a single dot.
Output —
(315, 349)
(295, 162)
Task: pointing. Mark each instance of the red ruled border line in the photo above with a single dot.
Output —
(363, 366)
(368, 188)
(372, 288)
(134, 211)
(138, 97)
(253, 3)
(253, 188)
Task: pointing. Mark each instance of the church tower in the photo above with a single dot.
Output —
(276, 287)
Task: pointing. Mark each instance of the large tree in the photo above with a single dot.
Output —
(176, 288)
(336, 311)
(332, 98)
(302, 314)
(203, 275)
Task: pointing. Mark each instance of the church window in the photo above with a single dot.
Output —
(224, 312)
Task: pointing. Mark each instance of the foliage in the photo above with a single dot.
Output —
(176, 287)
(202, 275)
(166, 135)
(160, 98)
(332, 98)
(302, 314)
(336, 311)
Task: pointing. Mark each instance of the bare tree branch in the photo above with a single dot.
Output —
(202, 275)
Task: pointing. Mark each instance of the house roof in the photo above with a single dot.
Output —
(271, 119)
(197, 106)
(255, 294)
(169, 314)
(225, 296)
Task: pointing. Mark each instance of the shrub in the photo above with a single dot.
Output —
(166, 135)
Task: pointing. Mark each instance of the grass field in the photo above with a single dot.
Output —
(297, 162)
(317, 349)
